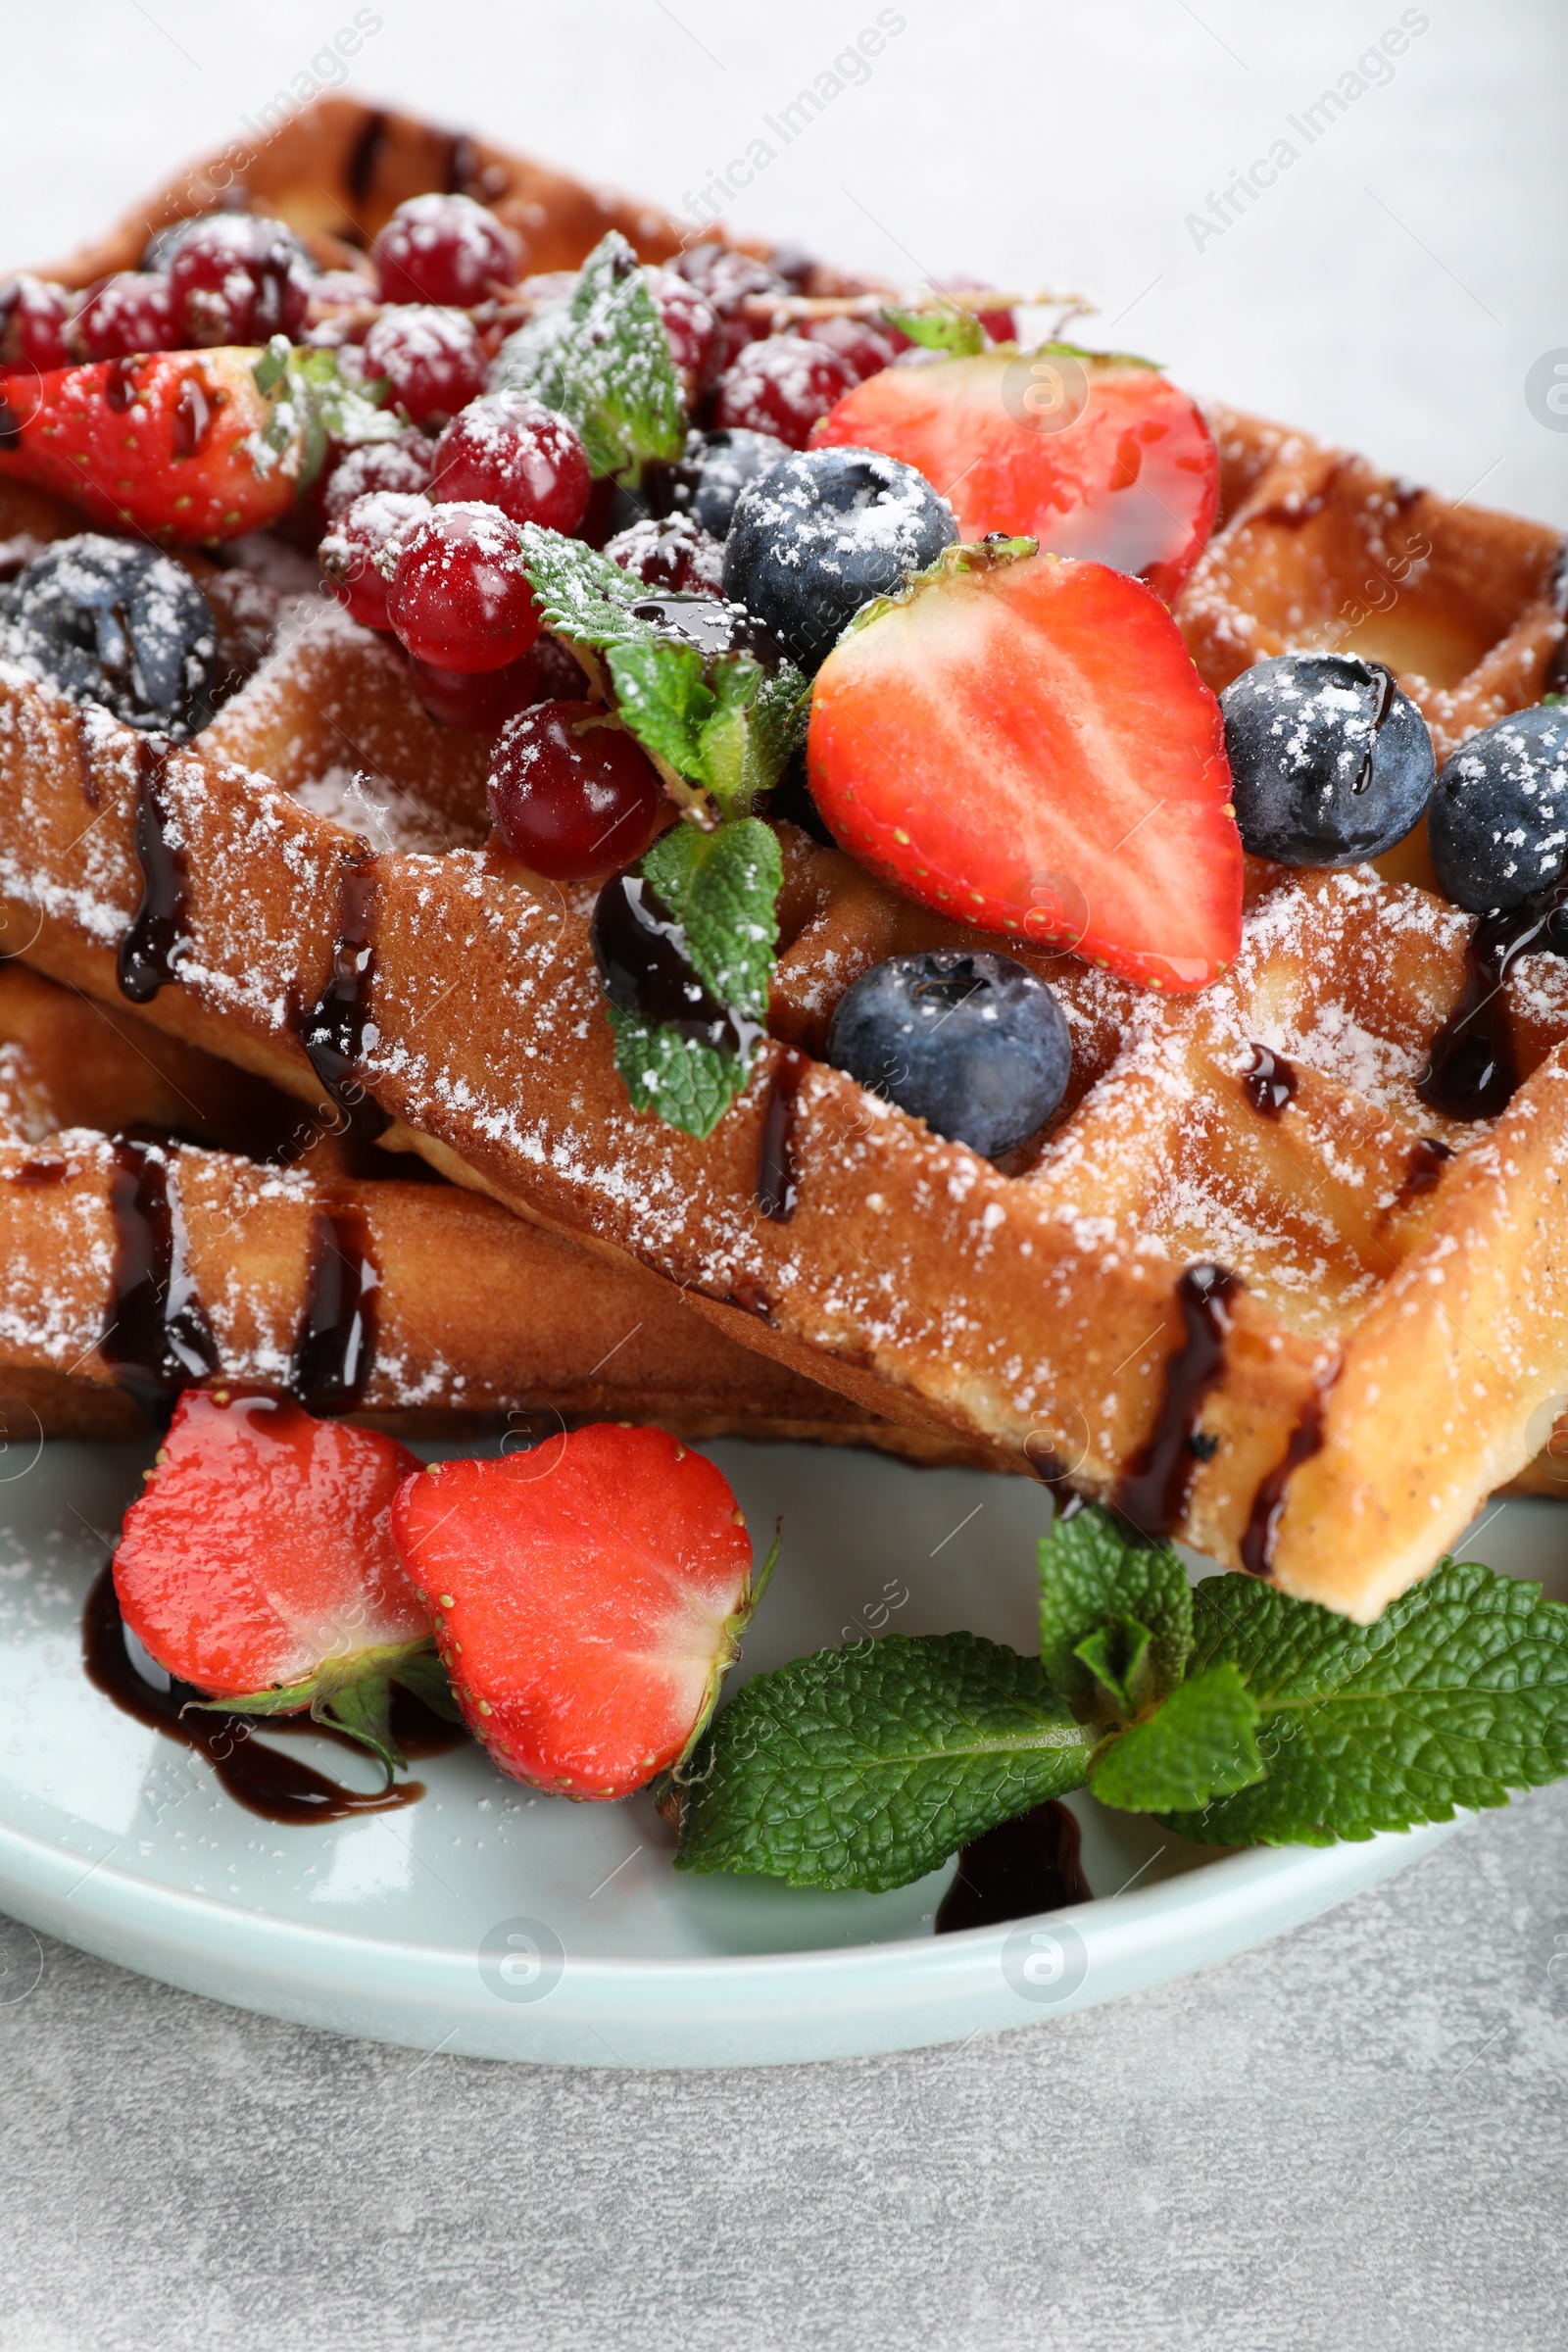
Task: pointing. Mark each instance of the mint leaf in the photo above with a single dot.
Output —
(1091, 1575)
(870, 1765)
(603, 361)
(958, 333)
(1456, 1696)
(310, 404)
(722, 722)
(1201, 1743)
(721, 889)
(1118, 1656)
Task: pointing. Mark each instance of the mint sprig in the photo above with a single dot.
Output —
(1456, 1695)
(720, 728)
(1099, 1590)
(603, 360)
(721, 889)
(870, 1765)
(1237, 1715)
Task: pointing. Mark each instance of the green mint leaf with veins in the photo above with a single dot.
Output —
(1456, 1696)
(603, 361)
(868, 1766)
(1090, 1577)
(1200, 1744)
(312, 403)
(721, 888)
(724, 724)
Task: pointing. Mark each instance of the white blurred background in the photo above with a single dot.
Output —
(1391, 289)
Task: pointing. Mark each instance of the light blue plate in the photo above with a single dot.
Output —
(505, 1924)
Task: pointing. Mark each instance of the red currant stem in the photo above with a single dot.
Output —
(791, 308)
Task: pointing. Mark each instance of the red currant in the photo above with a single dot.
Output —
(460, 596)
(236, 279)
(673, 553)
(401, 464)
(480, 702)
(133, 311)
(515, 453)
(860, 345)
(1000, 326)
(445, 249)
(572, 793)
(34, 315)
(433, 360)
(692, 325)
(360, 554)
(724, 279)
(782, 386)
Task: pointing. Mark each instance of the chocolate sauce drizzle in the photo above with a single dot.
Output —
(332, 1031)
(647, 969)
(1028, 1865)
(1261, 1532)
(146, 960)
(255, 1776)
(776, 1190)
(1383, 687)
(41, 1173)
(334, 1348)
(1473, 1070)
(119, 385)
(364, 156)
(158, 1340)
(193, 417)
(1427, 1161)
(1153, 1492)
(1269, 1083)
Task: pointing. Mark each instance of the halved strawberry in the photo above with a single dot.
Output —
(1094, 455)
(187, 446)
(587, 1601)
(1021, 742)
(257, 1564)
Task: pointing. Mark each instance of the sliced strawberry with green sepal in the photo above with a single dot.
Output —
(185, 446)
(1094, 454)
(1021, 742)
(588, 1599)
(258, 1565)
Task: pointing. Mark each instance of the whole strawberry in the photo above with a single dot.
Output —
(587, 1599)
(257, 1564)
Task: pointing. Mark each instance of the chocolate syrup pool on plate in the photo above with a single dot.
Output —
(262, 1779)
(1028, 1865)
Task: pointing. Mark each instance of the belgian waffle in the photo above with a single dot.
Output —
(418, 1307)
(1250, 1284)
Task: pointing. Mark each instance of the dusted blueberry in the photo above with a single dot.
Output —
(1330, 763)
(975, 1045)
(821, 535)
(703, 482)
(113, 621)
(1498, 822)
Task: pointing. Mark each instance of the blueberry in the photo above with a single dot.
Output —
(972, 1043)
(112, 622)
(703, 482)
(1498, 822)
(824, 533)
(1330, 763)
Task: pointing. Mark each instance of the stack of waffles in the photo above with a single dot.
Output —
(1251, 1284)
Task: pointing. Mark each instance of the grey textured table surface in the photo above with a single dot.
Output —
(1351, 2137)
